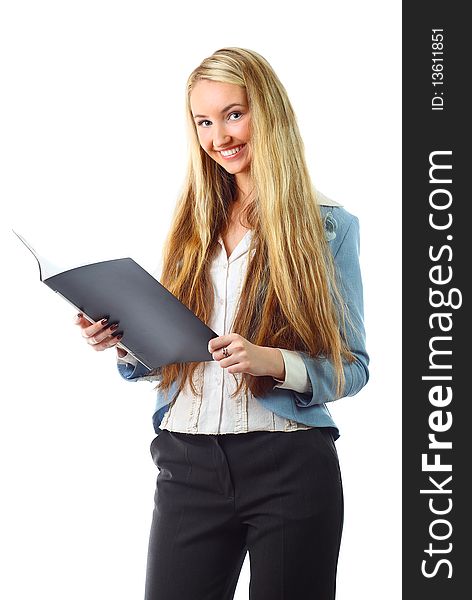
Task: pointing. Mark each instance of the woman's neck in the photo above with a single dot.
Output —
(245, 188)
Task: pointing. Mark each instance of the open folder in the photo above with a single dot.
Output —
(157, 328)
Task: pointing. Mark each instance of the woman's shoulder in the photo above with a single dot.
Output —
(336, 219)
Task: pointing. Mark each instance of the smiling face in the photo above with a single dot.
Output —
(222, 119)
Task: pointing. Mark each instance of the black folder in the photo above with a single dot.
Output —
(157, 328)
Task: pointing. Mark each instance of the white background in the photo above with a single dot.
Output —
(93, 154)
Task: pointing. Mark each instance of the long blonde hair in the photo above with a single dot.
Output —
(289, 297)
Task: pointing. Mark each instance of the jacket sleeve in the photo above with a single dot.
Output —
(320, 370)
(134, 371)
(296, 376)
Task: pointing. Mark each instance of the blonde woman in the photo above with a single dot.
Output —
(245, 443)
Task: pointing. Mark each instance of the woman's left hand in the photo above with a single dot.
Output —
(245, 357)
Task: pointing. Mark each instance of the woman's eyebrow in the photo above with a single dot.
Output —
(223, 111)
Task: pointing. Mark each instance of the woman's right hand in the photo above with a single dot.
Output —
(100, 336)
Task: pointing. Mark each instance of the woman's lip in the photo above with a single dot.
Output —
(242, 146)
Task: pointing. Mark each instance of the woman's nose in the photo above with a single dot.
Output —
(220, 138)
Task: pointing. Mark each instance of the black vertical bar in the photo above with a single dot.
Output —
(437, 267)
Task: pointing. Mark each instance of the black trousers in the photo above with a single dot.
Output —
(277, 495)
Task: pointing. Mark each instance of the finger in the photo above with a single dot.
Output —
(121, 352)
(107, 342)
(81, 320)
(103, 334)
(216, 343)
(92, 329)
(218, 355)
(225, 361)
(231, 366)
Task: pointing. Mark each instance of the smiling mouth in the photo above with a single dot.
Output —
(232, 152)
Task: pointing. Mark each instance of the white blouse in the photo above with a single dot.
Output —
(215, 412)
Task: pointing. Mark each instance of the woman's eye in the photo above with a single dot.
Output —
(207, 123)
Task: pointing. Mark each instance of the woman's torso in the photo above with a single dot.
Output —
(215, 411)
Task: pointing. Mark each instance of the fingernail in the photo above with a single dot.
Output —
(104, 321)
(80, 315)
(114, 327)
(117, 334)
(118, 337)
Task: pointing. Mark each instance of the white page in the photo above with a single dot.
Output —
(48, 268)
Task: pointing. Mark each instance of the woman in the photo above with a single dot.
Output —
(245, 443)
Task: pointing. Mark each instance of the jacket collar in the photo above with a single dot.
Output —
(324, 200)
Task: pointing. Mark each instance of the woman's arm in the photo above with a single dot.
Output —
(320, 370)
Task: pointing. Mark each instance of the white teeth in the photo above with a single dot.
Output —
(230, 152)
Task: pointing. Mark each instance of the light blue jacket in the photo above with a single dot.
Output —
(342, 233)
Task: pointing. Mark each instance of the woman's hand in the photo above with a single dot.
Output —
(245, 357)
(100, 336)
